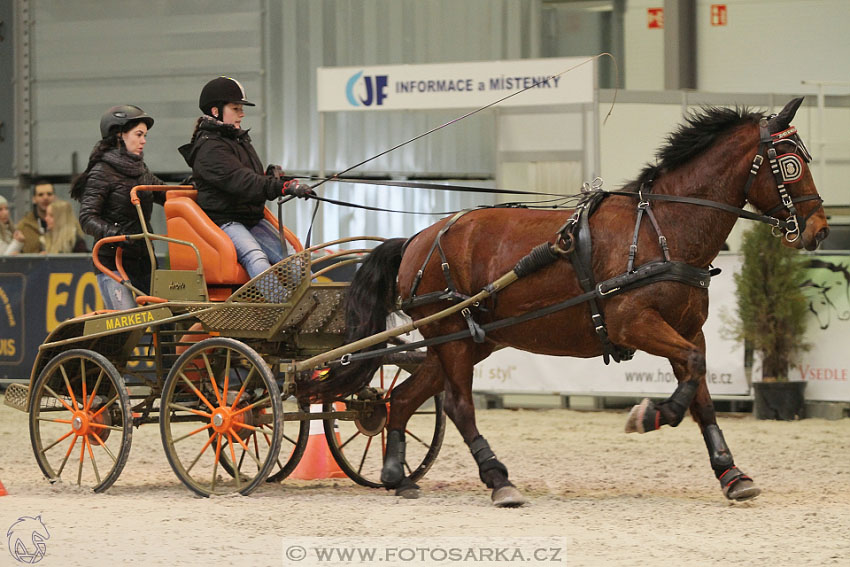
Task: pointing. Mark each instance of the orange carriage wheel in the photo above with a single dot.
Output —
(358, 445)
(221, 418)
(80, 420)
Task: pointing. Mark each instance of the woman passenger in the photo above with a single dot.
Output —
(116, 165)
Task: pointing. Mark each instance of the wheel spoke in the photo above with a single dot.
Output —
(392, 384)
(105, 448)
(83, 380)
(46, 449)
(196, 391)
(263, 401)
(95, 389)
(216, 461)
(212, 378)
(350, 439)
(67, 455)
(68, 386)
(54, 420)
(201, 452)
(365, 452)
(195, 432)
(106, 405)
(246, 449)
(226, 377)
(60, 400)
(236, 471)
(408, 432)
(82, 458)
(104, 426)
(93, 461)
(181, 407)
(244, 386)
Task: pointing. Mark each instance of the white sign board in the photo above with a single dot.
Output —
(826, 367)
(566, 80)
(513, 371)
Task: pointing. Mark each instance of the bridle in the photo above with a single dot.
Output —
(786, 168)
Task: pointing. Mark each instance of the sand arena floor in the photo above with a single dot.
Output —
(617, 499)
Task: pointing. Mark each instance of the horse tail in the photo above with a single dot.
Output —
(370, 299)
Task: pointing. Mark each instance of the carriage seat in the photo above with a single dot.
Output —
(185, 220)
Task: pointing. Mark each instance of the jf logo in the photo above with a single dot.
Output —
(26, 539)
(374, 87)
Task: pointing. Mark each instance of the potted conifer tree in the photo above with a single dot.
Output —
(772, 318)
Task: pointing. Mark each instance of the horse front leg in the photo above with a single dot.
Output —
(458, 362)
(733, 482)
(691, 392)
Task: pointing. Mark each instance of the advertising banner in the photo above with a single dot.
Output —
(36, 294)
(826, 366)
(456, 85)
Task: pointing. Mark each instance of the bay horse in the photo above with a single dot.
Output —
(706, 171)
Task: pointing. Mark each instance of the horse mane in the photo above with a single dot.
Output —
(700, 131)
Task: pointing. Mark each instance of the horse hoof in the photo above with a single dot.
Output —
(741, 491)
(508, 497)
(408, 492)
(634, 423)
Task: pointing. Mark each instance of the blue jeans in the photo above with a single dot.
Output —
(257, 249)
(115, 295)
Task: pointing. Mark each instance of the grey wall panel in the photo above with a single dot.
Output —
(7, 90)
(90, 55)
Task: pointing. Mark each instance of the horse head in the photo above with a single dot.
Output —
(785, 189)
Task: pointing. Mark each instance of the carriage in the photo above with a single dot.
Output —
(212, 358)
(593, 280)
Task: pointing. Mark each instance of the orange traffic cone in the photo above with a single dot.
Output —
(3, 490)
(317, 461)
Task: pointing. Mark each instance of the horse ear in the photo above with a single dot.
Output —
(786, 115)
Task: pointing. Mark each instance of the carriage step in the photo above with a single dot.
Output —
(16, 396)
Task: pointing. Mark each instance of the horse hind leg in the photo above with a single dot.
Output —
(426, 382)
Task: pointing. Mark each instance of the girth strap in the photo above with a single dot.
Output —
(580, 255)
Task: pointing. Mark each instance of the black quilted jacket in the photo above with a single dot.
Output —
(106, 210)
(228, 174)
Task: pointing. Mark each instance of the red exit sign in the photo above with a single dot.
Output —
(718, 15)
(655, 18)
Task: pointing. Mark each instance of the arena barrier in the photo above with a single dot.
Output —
(38, 292)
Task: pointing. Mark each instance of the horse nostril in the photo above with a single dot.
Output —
(822, 234)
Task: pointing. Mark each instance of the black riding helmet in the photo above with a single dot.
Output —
(122, 115)
(219, 92)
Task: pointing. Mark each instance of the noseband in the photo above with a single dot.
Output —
(786, 168)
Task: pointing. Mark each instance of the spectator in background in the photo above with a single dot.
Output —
(6, 229)
(116, 165)
(64, 234)
(30, 229)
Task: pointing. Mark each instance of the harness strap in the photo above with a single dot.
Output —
(581, 257)
(653, 272)
(436, 244)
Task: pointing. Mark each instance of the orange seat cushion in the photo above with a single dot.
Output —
(185, 220)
